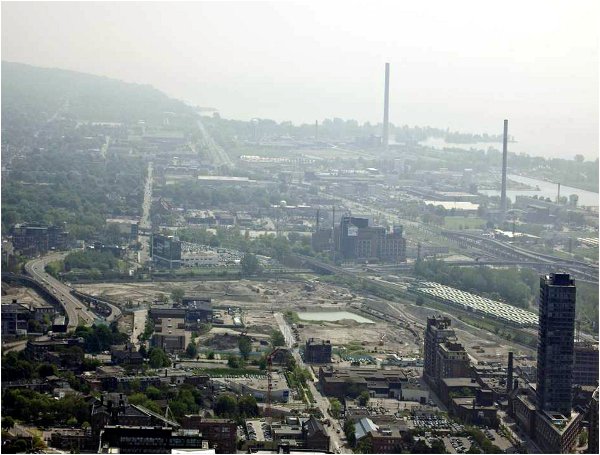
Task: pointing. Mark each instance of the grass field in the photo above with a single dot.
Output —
(456, 222)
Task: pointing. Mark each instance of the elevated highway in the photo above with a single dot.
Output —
(75, 310)
(111, 312)
(578, 269)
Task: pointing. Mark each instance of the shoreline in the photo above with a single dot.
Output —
(571, 185)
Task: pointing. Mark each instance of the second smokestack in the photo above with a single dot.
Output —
(386, 107)
(504, 160)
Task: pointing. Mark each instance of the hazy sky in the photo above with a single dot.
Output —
(465, 65)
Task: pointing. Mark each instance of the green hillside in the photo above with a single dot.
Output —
(37, 93)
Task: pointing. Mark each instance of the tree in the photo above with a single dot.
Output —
(583, 438)
(211, 355)
(72, 421)
(365, 445)
(226, 406)
(136, 385)
(363, 398)
(8, 422)
(262, 363)
(177, 295)
(335, 407)
(47, 369)
(437, 446)
(158, 358)
(191, 351)
(350, 432)
(277, 338)
(142, 400)
(245, 346)
(250, 265)
(247, 406)
(290, 362)
(153, 393)
(233, 361)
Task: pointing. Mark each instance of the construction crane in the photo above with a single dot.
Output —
(270, 378)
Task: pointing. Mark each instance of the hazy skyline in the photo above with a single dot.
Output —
(462, 64)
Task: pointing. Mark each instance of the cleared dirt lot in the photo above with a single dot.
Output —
(258, 300)
(21, 294)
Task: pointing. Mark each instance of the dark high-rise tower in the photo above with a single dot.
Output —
(386, 107)
(504, 159)
(438, 331)
(555, 343)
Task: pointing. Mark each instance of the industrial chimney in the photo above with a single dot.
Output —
(504, 158)
(318, 216)
(386, 107)
(509, 373)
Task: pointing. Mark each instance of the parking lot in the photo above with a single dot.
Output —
(455, 444)
(257, 430)
(434, 423)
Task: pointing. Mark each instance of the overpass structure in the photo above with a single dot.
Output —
(545, 262)
(110, 312)
(75, 310)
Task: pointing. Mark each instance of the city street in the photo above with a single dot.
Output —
(139, 324)
(146, 222)
(335, 430)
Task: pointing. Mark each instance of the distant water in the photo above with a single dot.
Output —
(332, 316)
(440, 143)
(546, 189)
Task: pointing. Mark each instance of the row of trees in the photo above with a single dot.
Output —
(18, 365)
(30, 406)
(90, 259)
(233, 407)
(186, 399)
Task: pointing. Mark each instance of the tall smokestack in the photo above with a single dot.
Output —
(316, 130)
(386, 107)
(318, 216)
(333, 218)
(504, 158)
(558, 195)
(509, 375)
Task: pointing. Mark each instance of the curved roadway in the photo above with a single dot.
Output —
(76, 311)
